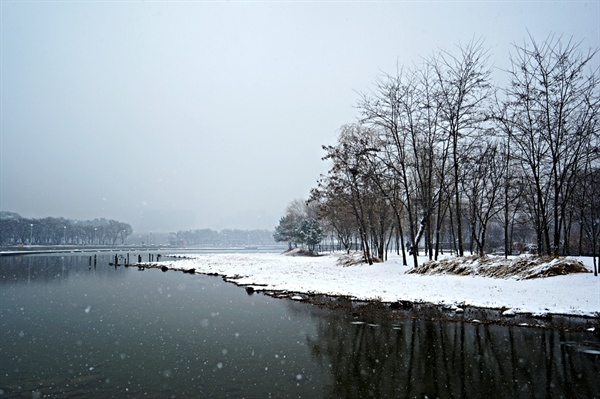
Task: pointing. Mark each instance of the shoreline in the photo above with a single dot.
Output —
(570, 303)
(430, 311)
(402, 309)
(575, 294)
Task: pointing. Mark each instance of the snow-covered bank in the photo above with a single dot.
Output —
(574, 294)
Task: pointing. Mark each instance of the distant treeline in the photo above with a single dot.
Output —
(15, 229)
(224, 238)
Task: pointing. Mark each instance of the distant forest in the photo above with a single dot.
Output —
(15, 229)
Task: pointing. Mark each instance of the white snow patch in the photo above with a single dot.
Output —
(573, 294)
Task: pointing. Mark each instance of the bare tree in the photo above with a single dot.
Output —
(587, 197)
(553, 106)
(391, 109)
(482, 186)
(335, 214)
(350, 179)
(464, 89)
(429, 153)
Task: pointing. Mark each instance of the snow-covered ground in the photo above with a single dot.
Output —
(575, 294)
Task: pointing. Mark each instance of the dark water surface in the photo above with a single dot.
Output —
(70, 330)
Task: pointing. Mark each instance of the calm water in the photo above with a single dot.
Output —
(71, 330)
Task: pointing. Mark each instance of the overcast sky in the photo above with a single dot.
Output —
(179, 115)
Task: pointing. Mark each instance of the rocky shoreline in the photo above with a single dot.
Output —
(406, 309)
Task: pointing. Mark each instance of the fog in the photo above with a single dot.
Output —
(185, 115)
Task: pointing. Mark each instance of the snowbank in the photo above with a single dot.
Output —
(573, 294)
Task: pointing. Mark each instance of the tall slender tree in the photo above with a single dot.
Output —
(464, 91)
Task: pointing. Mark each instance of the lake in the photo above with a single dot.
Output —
(69, 329)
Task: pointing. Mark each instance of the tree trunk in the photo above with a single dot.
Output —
(457, 197)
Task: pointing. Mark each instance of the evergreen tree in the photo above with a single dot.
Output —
(310, 233)
(287, 230)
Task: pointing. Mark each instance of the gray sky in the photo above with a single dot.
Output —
(178, 115)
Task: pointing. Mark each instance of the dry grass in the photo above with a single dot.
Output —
(355, 258)
(300, 252)
(351, 259)
(521, 268)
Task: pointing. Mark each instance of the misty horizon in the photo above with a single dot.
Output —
(176, 116)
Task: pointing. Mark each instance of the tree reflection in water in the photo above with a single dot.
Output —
(423, 358)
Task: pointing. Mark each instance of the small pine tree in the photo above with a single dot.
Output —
(297, 227)
(310, 233)
(287, 229)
